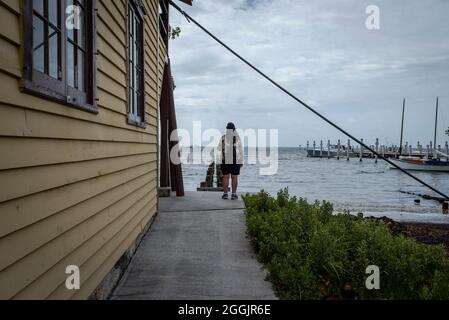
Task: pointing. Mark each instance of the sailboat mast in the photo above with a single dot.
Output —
(436, 127)
(402, 127)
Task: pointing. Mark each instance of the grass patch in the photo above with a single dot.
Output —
(312, 254)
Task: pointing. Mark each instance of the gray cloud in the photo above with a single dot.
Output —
(322, 52)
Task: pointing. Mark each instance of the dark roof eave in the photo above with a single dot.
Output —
(189, 2)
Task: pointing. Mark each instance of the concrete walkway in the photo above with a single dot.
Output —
(196, 249)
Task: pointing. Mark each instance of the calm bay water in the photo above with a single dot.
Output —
(367, 187)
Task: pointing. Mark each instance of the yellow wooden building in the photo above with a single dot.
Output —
(80, 85)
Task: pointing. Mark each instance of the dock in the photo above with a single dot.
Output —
(196, 249)
(348, 150)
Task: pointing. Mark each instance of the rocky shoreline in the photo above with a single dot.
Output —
(426, 233)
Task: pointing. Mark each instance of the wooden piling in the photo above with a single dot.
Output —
(338, 149)
(321, 148)
(377, 148)
(219, 176)
(361, 151)
(431, 149)
(348, 149)
(447, 151)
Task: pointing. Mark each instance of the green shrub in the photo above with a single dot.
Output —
(311, 253)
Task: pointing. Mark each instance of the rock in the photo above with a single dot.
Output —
(431, 234)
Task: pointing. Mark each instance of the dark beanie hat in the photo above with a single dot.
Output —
(230, 126)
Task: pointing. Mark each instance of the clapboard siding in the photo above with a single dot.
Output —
(9, 25)
(10, 62)
(40, 152)
(40, 262)
(23, 212)
(75, 188)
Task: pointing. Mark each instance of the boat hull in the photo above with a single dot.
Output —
(438, 166)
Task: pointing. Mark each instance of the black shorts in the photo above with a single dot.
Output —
(227, 169)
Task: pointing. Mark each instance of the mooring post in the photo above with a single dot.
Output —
(219, 176)
(420, 149)
(411, 150)
(428, 151)
(314, 147)
(361, 150)
(377, 147)
(447, 151)
(328, 149)
(321, 148)
(348, 149)
(307, 150)
(431, 149)
(338, 149)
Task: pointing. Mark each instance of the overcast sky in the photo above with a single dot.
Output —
(322, 51)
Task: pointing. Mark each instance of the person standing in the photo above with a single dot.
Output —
(230, 150)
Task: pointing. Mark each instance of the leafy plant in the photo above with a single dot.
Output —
(311, 253)
(174, 32)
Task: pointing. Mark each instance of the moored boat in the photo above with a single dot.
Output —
(435, 164)
(418, 164)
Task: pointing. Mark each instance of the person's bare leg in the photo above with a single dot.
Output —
(225, 183)
(235, 184)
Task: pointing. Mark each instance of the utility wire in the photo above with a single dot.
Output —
(190, 19)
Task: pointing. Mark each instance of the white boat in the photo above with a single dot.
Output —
(418, 164)
(411, 163)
